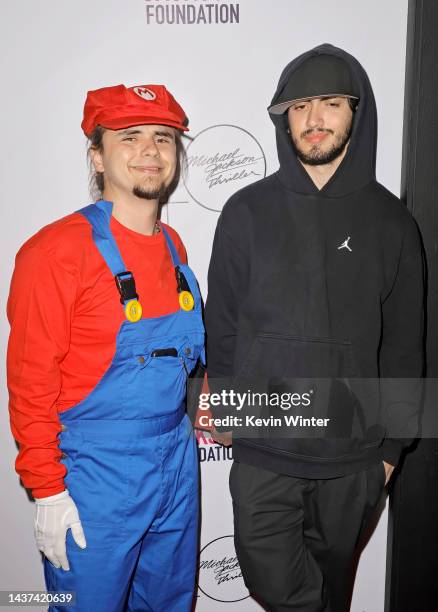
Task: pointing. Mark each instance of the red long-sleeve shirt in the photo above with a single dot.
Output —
(64, 310)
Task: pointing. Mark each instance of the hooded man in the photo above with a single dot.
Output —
(316, 289)
(106, 324)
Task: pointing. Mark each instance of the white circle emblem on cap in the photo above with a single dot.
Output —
(145, 93)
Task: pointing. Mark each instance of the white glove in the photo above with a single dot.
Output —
(54, 515)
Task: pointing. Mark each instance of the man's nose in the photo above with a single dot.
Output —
(149, 147)
(314, 117)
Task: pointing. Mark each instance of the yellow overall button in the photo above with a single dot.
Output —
(186, 300)
(133, 311)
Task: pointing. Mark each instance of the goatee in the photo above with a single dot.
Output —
(156, 193)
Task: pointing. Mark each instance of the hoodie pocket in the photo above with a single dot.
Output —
(278, 355)
(304, 384)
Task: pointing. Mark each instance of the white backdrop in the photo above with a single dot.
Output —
(224, 74)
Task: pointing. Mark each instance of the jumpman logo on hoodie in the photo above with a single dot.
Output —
(344, 245)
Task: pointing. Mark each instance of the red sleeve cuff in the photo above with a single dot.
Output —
(38, 493)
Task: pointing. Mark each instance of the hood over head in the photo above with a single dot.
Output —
(358, 166)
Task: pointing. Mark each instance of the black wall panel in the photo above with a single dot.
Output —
(412, 563)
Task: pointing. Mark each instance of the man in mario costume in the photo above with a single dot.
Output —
(106, 325)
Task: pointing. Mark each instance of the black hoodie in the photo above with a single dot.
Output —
(284, 301)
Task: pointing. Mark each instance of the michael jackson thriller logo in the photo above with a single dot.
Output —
(222, 159)
(220, 577)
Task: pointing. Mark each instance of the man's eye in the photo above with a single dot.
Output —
(129, 138)
(300, 107)
(162, 139)
(335, 104)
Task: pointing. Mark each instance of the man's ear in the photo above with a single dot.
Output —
(96, 160)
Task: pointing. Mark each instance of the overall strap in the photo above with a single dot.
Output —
(184, 276)
(171, 247)
(99, 215)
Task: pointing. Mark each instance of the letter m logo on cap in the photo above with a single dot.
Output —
(144, 93)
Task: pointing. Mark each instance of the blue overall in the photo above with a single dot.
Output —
(131, 460)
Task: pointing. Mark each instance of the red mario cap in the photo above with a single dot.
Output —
(120, 107)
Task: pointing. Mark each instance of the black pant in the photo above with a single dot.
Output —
(295, 538)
